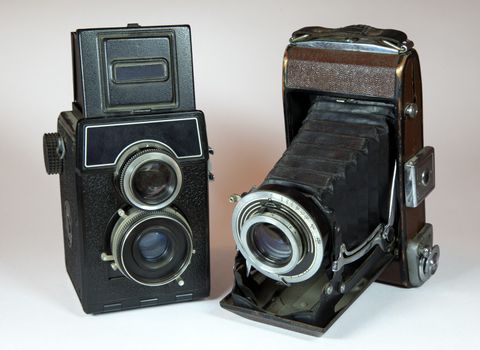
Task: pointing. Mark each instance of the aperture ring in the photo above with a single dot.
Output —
(132, 164)
(257, 204)
(125, 227)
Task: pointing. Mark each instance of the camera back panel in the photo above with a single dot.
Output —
(132, 70)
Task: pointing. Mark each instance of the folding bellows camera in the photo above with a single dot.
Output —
(344, 205)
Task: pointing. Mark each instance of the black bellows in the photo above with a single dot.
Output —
(341, 156)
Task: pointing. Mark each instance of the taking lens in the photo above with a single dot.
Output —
(271, 243)
(153, 245)
(153, 182)
(152, 248)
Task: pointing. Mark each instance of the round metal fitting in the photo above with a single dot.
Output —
(286, 228)
(411, 110)
(129, 165)
(125, 248)
(428, 262)
(289, 218)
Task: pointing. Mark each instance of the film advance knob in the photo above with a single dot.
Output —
(53, 153)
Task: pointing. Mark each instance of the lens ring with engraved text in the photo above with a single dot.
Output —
(152, 248)
(278, 236)
(150, 179)
(270, 243)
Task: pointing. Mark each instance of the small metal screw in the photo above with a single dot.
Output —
(180, 282)
(234, 198)
(411, 110)
(425, 252)
(329, 289)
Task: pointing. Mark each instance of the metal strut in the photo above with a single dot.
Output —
(381, 235)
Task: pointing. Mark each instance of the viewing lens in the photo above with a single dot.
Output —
(271, 243)
(154, 182)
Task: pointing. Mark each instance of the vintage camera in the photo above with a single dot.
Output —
(344, 205)
(133, 161)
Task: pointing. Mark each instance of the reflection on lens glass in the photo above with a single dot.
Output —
(271, 243)
(154, 182)
(153, 245)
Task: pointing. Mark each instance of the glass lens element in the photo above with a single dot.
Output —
(154, 182)
(271, 243)
(153, 245)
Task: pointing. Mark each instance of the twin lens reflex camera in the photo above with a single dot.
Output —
(133, 162)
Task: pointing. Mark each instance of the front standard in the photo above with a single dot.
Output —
(133, 161)
(344, 206)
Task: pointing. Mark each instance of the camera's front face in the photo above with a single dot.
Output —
(334, 212)
(149, 161)
(133, 171)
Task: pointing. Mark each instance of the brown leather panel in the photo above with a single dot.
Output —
(352, 73)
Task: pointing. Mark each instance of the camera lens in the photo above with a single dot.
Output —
(277, 235)
(150, 179)
(153, 245)
(152, 248)
(271, 243)
(153, 182)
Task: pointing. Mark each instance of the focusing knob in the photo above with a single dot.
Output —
(53, 153)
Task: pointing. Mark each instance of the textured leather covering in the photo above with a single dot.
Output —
(93, 200)
(341, 72)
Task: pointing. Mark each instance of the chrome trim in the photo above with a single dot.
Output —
(349, 46)
(128, 171)
(287, 229)
(254, 205)
(126, 225)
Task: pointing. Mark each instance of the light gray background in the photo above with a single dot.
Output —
(238, 48)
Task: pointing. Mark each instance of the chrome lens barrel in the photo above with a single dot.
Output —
(277, 236)
(152, 248)
(149, 179)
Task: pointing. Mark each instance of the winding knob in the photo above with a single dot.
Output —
(53, 153)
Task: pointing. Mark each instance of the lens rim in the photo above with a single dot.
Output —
(127, 256)
(134, 164)
(164, 257)
(286, 228)
(166, 193)
(292, 214)
(260, 241)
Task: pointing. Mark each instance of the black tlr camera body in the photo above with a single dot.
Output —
(133, 162)
(344, 205)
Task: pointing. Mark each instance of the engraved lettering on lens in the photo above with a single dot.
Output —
(148, 176)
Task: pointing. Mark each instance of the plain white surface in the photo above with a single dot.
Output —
(238, 48)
